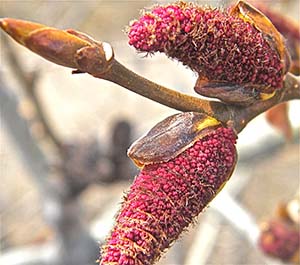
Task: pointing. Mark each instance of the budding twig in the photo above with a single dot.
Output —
(175, 185)
(77, 50)
(238, 116)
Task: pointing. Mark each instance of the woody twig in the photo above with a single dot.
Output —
(79, 51)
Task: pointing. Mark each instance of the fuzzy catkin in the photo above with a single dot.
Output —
(166, 197)
(213, 43)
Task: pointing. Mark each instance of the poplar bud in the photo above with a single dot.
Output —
(69, 48)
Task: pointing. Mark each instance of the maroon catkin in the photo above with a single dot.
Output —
(213, 43)
(166, 197)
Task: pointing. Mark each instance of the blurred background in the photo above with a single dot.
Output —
(64, 138)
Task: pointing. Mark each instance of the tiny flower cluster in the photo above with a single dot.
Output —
(212, 42)
(166, 197)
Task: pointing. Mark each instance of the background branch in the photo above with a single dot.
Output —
(28, 83)
(75, 245)
(17, 127)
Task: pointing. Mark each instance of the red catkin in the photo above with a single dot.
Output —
(166, 197)
(215, 44)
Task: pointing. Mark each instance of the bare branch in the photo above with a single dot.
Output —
(33, 157)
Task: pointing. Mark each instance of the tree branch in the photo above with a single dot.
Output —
(236, 116)
(124, 77)
(77, 50)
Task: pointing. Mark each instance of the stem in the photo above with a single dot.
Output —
(124, 77)
(238, 117)
(290, 91)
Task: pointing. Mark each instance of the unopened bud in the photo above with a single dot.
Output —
(68, 48)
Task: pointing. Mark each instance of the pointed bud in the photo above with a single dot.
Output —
(172, 187)
(68, 48)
